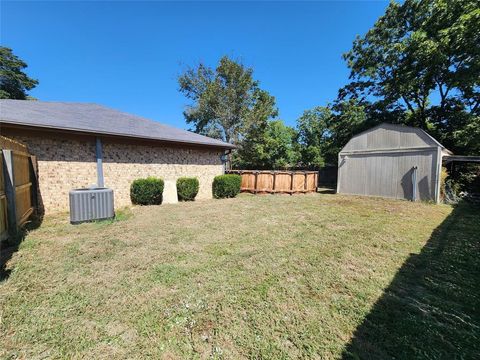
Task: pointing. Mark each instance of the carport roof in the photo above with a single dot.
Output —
(96, 119)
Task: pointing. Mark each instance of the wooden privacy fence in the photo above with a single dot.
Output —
(17, 187)
(3, 206)
(290, 182)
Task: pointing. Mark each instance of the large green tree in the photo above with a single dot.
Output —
(323, 131)
(314, 135)
(420, 65)
(270, 145)
(226, 101)
(14, 82)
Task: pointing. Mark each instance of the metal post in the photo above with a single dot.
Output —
(99, 156)
(414, 183)
(225, 161)
(9, 178)
(338, 172)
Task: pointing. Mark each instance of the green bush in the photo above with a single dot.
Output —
(226, 186)
(187, 188)
(147, 191)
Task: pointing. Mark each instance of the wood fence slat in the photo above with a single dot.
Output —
(17, 191)
(3, 205)
(3, 218)
(10, 144)
(267, 181)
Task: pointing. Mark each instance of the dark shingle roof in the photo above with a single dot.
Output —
(96, 119)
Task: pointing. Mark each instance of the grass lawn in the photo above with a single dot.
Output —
(260, 277)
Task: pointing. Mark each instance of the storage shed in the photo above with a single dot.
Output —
(392, 161)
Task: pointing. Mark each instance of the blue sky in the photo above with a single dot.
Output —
(128, 55)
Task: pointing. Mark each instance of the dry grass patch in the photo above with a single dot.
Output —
(253, 277)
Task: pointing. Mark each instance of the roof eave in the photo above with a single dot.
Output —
(220, 145)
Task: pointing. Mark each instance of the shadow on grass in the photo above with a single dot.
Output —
(431, 309)
(10, 246)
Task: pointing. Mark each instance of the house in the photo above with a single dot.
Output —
(392, 161)
(69, 141)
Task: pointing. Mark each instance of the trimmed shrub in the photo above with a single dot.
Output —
(187, 188)
(147, 191)
(226, 186)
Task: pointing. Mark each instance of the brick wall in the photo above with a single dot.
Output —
(124, 163)
(69, 162)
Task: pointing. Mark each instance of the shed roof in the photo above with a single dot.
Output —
(96, 119)
(391, 137)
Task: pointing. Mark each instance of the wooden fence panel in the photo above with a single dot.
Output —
(23, 187)
(23, 199)
(299, 182)
(248, 182)
(311, 180)
(283, 182)
(17, 192)
(3, 205)
(264, 182)
(261, 181)
(21, 168)
(10, 144)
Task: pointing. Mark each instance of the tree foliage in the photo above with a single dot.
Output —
(14, 82)
(323, 131)
(226, 101)
(314, 135)
(420, 65)
(270, 145)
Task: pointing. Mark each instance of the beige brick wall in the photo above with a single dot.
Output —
(124, 163)
(67, 163)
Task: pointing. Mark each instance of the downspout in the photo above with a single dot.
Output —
(224, 159)
(338, 172)
(99, 157)
(414, 183)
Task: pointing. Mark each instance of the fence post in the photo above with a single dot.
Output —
(274, 181)
(9, 177)
(305, 183)
(291, 182)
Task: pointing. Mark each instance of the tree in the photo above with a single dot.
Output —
(324, 131)
(420, 65)
(271, 145)
(313, 135)
(14, 83)
(227, 101)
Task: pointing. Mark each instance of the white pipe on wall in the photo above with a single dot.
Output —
(99, 157)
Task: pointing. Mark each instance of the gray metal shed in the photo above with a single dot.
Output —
(392, 161)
